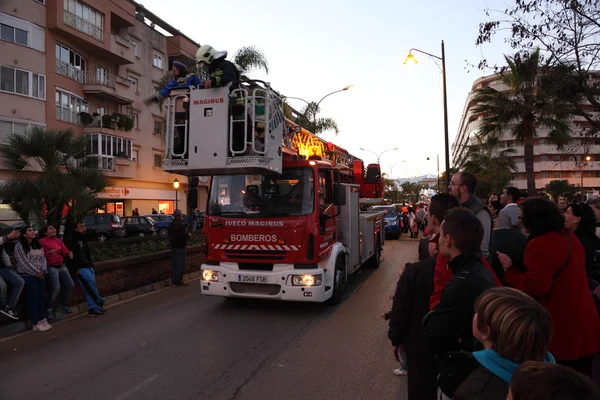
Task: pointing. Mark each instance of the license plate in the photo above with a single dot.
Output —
(252, 279)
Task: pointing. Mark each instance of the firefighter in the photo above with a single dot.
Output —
(220, 71)
(182, 78)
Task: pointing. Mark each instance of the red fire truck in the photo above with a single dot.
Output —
(284, 217)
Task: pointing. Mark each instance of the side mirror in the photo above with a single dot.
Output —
(339, 194)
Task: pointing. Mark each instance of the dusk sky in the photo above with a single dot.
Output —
(315, 47)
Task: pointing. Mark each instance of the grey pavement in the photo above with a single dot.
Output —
(177, 344)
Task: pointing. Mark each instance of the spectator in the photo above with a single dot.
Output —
(82, 270)
(8, 300)
(154, 211)
(509, 215)
(562, 205)
(495, 208)
(178, 238)
(135, 213)
(421, 216)
(510, 241)
(493, 197)
(513, 328)
(448, 327)
(580, 218)
(55, 250)
(545, 381)
(595, 204)
(552, 271)
(31, 264)
(462, 186)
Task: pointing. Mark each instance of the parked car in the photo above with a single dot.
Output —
(392, 220)
(103, 226)
(162, 222)
(139, 226)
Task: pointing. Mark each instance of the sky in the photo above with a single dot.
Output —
(315, 47)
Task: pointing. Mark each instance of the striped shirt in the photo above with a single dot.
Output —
(30, 263)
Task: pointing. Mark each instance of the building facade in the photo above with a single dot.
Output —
(72, 64)
(549, 162)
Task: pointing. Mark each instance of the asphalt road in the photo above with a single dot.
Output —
(176, 344)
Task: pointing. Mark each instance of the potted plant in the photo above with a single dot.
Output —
(125, 122)
(85, 118)
(108, 121)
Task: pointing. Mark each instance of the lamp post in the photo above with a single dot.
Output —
(392, 168)
(438, 171)
(411, 58)
(176, 186)
(318, 103)
(380, 154)
(581, 165)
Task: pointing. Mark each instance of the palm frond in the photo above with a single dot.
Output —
(251, 58)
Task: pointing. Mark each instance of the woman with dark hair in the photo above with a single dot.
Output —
(55, 252)
(31, 264)
(495, 207)
(580, 218)
(552, 271)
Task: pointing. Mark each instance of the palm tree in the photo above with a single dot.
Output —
(53, 172)
(315, 124)
(531, 100)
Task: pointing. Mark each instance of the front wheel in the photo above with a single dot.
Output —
(376, 258)
(102, 237)
(339, 284)
(164, 231)
(141, 234)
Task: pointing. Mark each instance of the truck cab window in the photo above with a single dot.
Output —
(325, 195)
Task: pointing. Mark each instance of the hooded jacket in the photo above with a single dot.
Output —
(490, 381)
(223, 72)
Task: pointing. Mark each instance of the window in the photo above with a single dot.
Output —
(557, 174)
(556, 158)
(102, 110)
(134, 82)
(23, 82)
(510, 144)
(70, 63)
(41, 1)
(8, 128)
(14, 35)
(157, 160)
(101, 75)
(84, 18)
(136, 47)
(109, 147)
(543, 157)
(157, 127)
(597, 174)
(134, 155)
(134, 117)
(597, 142)
(325, 197)
(513, 177)
(68, 107)
(544, 175)
(157, 61)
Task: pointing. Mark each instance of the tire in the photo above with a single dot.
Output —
(141, 234)
(397, 235)
(339, 285)
(163, 231)
(102, 237)
(375, 259)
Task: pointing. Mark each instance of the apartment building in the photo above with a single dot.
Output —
(549, 162)
(71, 64)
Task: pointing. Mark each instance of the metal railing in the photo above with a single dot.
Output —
(68, 70)
(84, 26)
(105, 163)
(95, 78)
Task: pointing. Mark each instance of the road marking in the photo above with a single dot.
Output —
(134, 389)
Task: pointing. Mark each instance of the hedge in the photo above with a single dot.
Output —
(134, 246)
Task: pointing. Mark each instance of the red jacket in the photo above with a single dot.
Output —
(442, 276)
(54, 250)
(568, 298)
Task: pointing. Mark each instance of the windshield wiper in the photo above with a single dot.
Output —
(232, 214)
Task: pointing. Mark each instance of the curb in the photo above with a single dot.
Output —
(20, 328)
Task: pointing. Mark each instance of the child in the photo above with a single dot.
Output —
(399, 353)
(513, 328)
(541, 381)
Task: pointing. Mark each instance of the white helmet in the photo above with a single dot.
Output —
(205, 54)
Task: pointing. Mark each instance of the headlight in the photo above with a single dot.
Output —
(393, 223)
(210, 275)
(307, 280)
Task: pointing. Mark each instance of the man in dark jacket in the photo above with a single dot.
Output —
(448, 327)
(82, 269)
(510, 241)
(221, 71)
(411, 304)
(178, 237)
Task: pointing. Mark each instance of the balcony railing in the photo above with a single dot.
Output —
(84, 26)
(105, 163)
(102, 79)
(66, 69)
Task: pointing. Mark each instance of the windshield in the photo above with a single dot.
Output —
(267, 195)
(389, 211)
(115, 218)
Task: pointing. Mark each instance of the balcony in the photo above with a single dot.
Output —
(68, 70)
(84, 26)
(104, 86)
(116, 167)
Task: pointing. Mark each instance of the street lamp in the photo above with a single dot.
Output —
(581, 165)
(410, 58)
(438, 171)
(176, 186)
(380, 154)
(392, 168)
(318, 103)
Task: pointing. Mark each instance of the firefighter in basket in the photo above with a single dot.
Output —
(182, 78)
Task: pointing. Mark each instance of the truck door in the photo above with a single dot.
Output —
(326, 209)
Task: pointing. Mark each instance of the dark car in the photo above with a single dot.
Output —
(103, 226)
(139, 226)
(162, 222)
(392, 220)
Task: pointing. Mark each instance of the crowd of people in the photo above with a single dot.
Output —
(45, 260)
(506, 296)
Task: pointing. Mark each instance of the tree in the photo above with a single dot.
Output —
(567, 31)
(491, 165)
(317, 125)
(561, 188)
(54, 174)
(391, 190)
(529, 101)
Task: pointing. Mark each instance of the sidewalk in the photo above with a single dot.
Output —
(8, 331)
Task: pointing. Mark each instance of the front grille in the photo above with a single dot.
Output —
(255, 255)
(255, 288)
(255, 266)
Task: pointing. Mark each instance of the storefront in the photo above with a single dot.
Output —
(123, 200)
